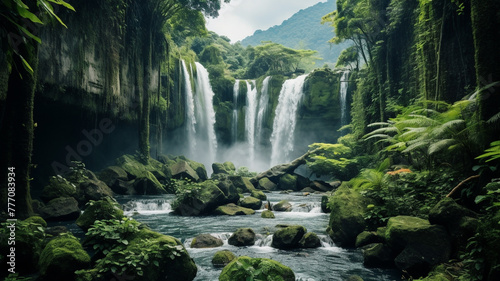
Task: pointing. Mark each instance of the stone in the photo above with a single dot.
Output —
(233, 210)
(206, 241)
(147, 184)
(219, 168)
(61, 257)
(222, 258)
(58, 187)
(288, 182)
(93, 190)
(266, 214)
(448, 212)
(245, 268)
(242, 237)
(111, 175)
(61, 209)
(378, 255)
(266, 184)
(368, 237)
(288, 237)
(229, 166)
(258, 194)
(324, 204)
(135, 168)
(105, 209)
(282, 206)
(321, 186)
(346, 216)
(251, 203)
(310, 240)
(182, 170)
(242, 184)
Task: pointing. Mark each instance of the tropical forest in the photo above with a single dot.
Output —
(250, 140)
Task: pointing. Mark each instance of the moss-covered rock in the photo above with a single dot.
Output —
(266, 214)
(61, 258)
(368, 237)
(206, 241)
(242, 268)
(232, 209)
(182, 170)
(354, 278)
(229, 166)
(61, 209)
(258, 194)
(282, 206)
(310, 240)
(99, 210)
(347, 216)
(222, 258)
(242, 237)
(251, 203)
(378, 255)
(324, 204)
(135, 168)
(219, 168)
(36, 220)
(288, 237)
(288, 182)
(147, 184)
(58, 187)
(267, 184)
(242, 184)
(111, 175)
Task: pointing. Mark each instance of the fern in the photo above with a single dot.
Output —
(492, 153)
(440, 145)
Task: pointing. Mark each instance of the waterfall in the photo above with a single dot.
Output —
(263, 102)
(205, 116)
(344, 83)
(251, 110)
(148, 206)
(234, 131)
(285, 119)
(190, 116)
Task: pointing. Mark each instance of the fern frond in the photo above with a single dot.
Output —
(399, 146)
(415, 145)
(383, 136)
(440, 145)
(383, 130)
(412, 133)
(379, 124)
(448, 128)
(495, 118)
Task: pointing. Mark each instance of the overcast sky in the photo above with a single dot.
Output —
(240, 18)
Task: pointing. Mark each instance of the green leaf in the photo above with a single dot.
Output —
(155, 262)
(65, 4)
(49, 9)
(23, 12)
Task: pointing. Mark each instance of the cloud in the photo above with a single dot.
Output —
(240, 18)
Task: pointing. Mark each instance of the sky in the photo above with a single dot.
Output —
(240, 18)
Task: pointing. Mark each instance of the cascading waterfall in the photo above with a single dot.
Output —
(285, 119)
(263, 102)
(344, 83)
(206, 139)
(190, 116)
(234, 131)
(251, 110)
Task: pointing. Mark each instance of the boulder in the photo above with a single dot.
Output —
(321, 186)
(266, 214)
(206, 241)
(378, 255)
(219, 168)
(258, 194)
(368, 237)
(135, 168)
(105, 209)
(61, 209)
(203, 200)
(354, 278)
(111, 175)
(147, 184)
(310, 240)
(242, 184)
(93, 190)
(324, 204)
(417, 244)
(347, 216)
(61, 257)
(233, 210)
(266, 184)
(246, 268)
(229, 166)
(182, 170)
(282, 206)
(251, 203)
(288, 182)
(58, 187)
(288, 237)
(242, 237)
(124, 187)
(222, 258)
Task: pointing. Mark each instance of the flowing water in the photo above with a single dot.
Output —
(251, 110)
(327, 262)
(234, 131)
(190, 116)
(282, 138)
(343, 97)
(262, 112)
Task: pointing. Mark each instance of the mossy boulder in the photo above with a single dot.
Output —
(229, 166)
(111, 175)
(148, 184)
(241, 268)
(378, 255)
(266, 184)
(288, 237)
(368, 237)
(182, 170)
(61, 257)
(36, 220)
(417, 244)
(204, 198)
(288, 182)
(206, 241)
(282, 206)
(251, 203)
(168, 259)
(61, 209)
(266, 214)
(324, 204)
(232, 209)
(346, 216)
(242, 184)
(258, 194)
(99, 210)
(310, 240)
(242, 237)
(58, 187)
(222, 258)
(135, 168)
(354, 278)
(219, 168)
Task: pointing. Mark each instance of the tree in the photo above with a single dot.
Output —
(348, 58)
(19, 23)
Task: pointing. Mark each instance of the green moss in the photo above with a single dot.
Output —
(99, 210)
(58, 187)
(266, 214)
(288, 182)
(62, 257)
(258, 194)
(222, 258)
(288, 237)
(233, 210)
(245, 267)
(135, 168)
(251, 202)
(36, 219)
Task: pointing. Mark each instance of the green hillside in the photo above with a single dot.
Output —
(303, 31)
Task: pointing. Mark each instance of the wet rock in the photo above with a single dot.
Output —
(182, 170)
(219, 168)
(105, 209)
(310, 240)
(288, 237)
(266, 184)
(242, 184)
(368, 237)
(266, 214)
(324, 204)
(58, 187)
(282, 206)
(111, 175)
(206, 241)
(233, 210)
(222, 258)
(258, 194)
(205, 198)
(251, 203)
(147, 184)
(242, 237)
(61, 209)
(243, 268)
(378, 255)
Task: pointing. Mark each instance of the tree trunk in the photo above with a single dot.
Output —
(144, 147)
(17, 131)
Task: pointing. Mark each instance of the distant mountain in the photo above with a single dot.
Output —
(303, 30)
